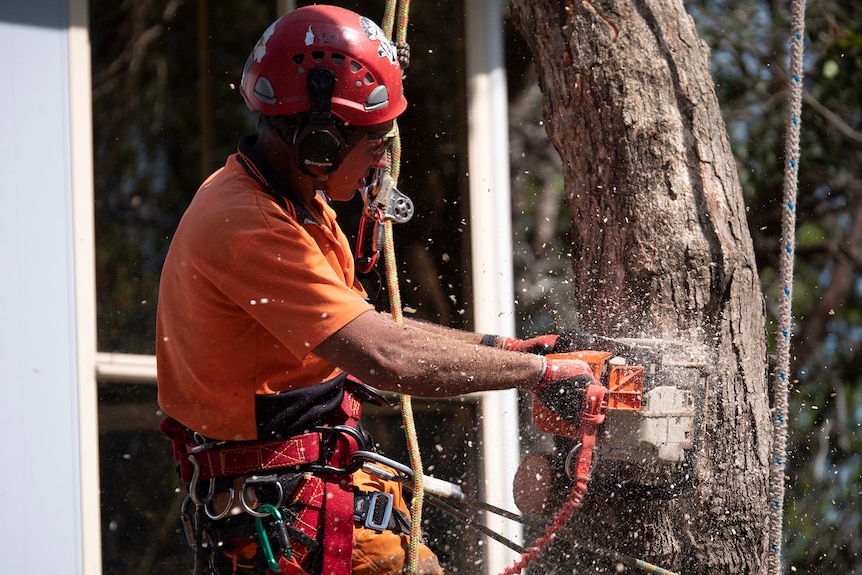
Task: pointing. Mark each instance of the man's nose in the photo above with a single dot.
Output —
(380, 161)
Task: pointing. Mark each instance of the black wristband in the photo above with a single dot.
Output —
(489, 340)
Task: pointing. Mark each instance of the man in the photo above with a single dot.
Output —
(261, 317)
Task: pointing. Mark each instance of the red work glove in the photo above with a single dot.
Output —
(562, 387)
(540, 345)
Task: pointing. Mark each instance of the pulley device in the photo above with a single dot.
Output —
(382, 202)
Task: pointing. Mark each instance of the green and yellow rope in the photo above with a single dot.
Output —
(395, 304)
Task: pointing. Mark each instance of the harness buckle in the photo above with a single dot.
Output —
(322, 465)
(379, 511)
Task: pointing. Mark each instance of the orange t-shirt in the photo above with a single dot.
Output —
(247, 293)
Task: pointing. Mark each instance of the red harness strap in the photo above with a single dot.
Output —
(326, 499)
(591, 419)
(249, 457)
(338, 507)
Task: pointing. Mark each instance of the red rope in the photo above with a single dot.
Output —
(591, 419)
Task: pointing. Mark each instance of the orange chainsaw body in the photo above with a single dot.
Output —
(625, 390)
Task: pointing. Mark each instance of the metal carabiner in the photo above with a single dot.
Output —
(281, 534)
(259, 480)
(373, 243)
(228, 506)
(405, 475)
(193, 484)
(370, 190)
(402, 472)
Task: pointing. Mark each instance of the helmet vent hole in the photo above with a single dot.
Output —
(355, 66)
(298, 58)
(317, 55)
(369, 79)
(377, 99)
(337, 58)
(263, 89)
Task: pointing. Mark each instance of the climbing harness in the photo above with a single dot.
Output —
(289, 489)
(287, 505)
(785, 315)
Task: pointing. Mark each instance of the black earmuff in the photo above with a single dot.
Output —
(318, 143)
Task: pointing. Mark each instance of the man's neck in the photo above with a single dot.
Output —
(278, 155)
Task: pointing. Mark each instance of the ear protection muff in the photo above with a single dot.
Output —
(319, 144)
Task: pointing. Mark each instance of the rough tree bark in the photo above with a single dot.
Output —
(661, 249)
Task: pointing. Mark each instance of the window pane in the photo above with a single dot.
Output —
(141, 495)
(161, 126)
(155, 116)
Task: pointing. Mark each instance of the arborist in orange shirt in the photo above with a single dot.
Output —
(261, 318)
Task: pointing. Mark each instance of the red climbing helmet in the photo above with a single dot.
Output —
(367, 74)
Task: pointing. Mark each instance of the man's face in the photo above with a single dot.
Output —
(367, 147)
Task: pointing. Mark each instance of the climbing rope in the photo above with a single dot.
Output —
(785, 314)
(395, 295)
(406, 412)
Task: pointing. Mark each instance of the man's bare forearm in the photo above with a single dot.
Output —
(459, 334)
(406, 358)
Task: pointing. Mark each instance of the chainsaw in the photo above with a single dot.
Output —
(611, 363)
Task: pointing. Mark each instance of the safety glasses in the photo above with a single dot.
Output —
(379, 142)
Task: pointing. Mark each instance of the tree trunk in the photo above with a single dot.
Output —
(661, 249)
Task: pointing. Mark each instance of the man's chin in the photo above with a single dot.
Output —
(344, 196)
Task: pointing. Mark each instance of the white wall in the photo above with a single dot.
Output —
(47, 506)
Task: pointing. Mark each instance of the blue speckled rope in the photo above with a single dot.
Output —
(785, 316)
